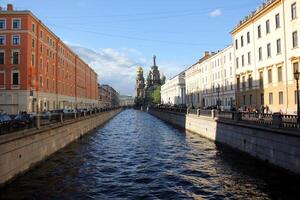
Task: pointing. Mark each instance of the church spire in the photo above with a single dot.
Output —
(154, 60)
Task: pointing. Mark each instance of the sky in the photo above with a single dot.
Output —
(116, 36)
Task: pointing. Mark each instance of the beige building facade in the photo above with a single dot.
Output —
(267, 53)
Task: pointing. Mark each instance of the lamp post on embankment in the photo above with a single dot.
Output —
(296, 76)
(218, 100)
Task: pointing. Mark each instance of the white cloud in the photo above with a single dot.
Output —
(215, 13)
(117, 67)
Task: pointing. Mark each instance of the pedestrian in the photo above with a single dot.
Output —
(267, 109)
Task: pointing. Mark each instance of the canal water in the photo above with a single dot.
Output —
(137, 156)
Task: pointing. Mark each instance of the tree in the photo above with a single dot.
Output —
(156, 95)
(138, 101)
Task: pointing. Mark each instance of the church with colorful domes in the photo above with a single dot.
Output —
(144, 89)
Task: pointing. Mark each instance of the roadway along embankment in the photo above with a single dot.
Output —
(279, 147)
(21, 150)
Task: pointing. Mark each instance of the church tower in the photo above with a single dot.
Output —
(154, 74)
(140, 82)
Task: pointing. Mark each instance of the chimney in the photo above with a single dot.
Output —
(10, 7)
(206, 53)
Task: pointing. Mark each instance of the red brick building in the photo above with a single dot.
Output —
(37, 70)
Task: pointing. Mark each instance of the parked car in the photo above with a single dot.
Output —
(5, 123)
(23, 120)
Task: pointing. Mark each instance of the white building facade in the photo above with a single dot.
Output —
(218, 80)
(173, 91)
(193, 82)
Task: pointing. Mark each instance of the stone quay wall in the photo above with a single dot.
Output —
(276, 146)
(21, 150)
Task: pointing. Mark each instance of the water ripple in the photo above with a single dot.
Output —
(137, 156)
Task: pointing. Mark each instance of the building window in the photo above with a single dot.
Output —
(278, 46)
(260, 53)
(2, 79)
(249, 58)
(277, 21)
(295, 39)
(262, 99)
(270, 98)
(16, 23)
(268, 26)
(2, 39)
(33, 28)
(237, 63)
(41, 65)
(2, 24)
(236, 44)
(41, 48)
(15, 57)
(269, 75)
(16, 39)
(41, 35)
(243, 61)
(293, 11)
(238, 83)
(269, 50)
(259, 31)
(53, 85)
(41, 81)
(47, 84)
(248, 37)
(15, 78)
(2, 57)
(244, 99)
(244, 83)
(33, 43)
(47, 67)
(242, 41)
(279, 74)
(280, 95)
(32, 59)
(250, 81)
(261, 79)
(250, 99)
(295, 67)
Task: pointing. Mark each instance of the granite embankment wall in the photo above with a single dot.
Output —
(279, 147)
(21, 150)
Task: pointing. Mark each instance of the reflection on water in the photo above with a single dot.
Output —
(137, 156)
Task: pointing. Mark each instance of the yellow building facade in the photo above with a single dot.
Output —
(266, 50)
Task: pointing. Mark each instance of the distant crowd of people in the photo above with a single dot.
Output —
(262, 110)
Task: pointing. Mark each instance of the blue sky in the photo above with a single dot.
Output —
(114, 36)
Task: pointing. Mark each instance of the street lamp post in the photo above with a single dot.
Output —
(296, 76)
(218, 101)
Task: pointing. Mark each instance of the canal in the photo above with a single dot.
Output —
(137, 156)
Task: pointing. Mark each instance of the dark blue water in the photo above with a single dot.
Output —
(137, 156)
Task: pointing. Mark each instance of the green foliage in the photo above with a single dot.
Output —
(156, 95)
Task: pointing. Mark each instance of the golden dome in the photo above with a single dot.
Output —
(139, 70)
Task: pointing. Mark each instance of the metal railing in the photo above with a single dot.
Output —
(275, 120)
(28, 121)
